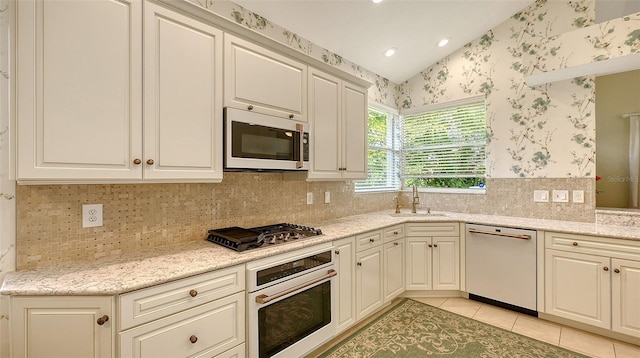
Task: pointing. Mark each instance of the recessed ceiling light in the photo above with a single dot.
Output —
(443, 42)
(376, 1)
(390, 52)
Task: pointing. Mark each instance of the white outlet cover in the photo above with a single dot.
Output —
(561, 196)
(541, 196)
(309, 198)
(327, 197)
(578, 196)
(91, 215)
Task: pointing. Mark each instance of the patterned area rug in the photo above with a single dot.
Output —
(414, 329)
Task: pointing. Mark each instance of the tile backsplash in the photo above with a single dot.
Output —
(150, 216)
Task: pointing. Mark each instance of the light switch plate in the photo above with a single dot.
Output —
(541, 196)
(309, 198)
(91, 215)
(578, 196)
(327, 197)
(561, 196)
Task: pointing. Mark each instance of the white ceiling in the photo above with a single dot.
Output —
(360, 31)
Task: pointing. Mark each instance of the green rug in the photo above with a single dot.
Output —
(414, 329)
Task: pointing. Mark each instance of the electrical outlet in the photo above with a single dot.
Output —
(578, 196)
(91, 215)
(560, 196)
(541, 196)
(309, 198)
(327, 197)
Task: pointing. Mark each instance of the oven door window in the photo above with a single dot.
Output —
(261, 142)
(288, 321)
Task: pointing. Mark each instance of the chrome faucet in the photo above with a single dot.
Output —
(416, 199)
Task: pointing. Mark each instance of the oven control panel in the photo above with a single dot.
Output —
(293, 267)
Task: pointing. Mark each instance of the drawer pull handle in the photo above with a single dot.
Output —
(605, 268)
(250, 107)
(193, 339)
(359, 264)
(616, 270)
(193, 293)
(102, 320)
(574, 243)
(395, 233)
(291, 116)
(372, 240)
(395, 244)
(337, 252)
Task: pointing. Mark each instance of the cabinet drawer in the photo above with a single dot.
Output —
(151, 303)
(203, 331)
(433, 229)
(617, 248)
(393, 232)
(368, 240)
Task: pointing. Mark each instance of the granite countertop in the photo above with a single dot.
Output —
(147, 268)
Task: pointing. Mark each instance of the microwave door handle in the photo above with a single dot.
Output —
(300, 130)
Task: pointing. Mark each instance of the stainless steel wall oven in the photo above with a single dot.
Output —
(289, 302)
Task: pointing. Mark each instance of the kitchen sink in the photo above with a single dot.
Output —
(423, 213)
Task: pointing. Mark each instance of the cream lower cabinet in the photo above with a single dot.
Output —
(593, 280)
(394, 269)
(62, 326)
(433, 256)
(338, 118)
(345, 295)
(369, 273)
(199, 316)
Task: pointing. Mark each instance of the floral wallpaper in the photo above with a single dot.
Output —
(382, 91)
(542, 132)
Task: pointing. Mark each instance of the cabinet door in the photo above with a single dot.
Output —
(79, 89)
(64, 327)
(418, 263)
(578, 287)
(354, 125)
(325, 105)
(369, 290)
(345, 295)
(626, 297)
(446, 263)
(182, 97)
(394, 265)
(269, 82)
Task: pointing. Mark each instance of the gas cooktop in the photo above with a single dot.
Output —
(241, 239)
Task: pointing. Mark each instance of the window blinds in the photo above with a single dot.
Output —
(383, 153)
(448, 142)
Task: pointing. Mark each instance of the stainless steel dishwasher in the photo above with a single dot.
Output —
(501, 266)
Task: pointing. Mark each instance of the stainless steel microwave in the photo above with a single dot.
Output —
(255, 141)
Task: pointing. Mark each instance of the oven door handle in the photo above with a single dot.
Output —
(267, 299)
(521, 237)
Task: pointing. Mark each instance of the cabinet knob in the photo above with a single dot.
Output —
(193, 339)
(359, 264)
(337, 252)
(137, 161)
(291, 116)
(372, 240)
(574, 243)
(395, 233)
(102, 320)
(193, 293)
(435, 245)
(605, 268)
(395, 244)
(150, 161)
(616, 270)
(250, 107)
(430, 245)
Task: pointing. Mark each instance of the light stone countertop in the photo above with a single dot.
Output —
(143, 269)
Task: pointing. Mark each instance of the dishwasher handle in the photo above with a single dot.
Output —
(521, 237)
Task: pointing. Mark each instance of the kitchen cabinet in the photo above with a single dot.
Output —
(261, 80)
(338, 117)
(394, 269)
(369, 273)
(62, 326)
(433, 256)
(182, 97)
(203, 315)
(345, 265)
(80, 107)
(593, 280)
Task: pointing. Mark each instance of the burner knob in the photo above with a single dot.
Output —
(273, 240)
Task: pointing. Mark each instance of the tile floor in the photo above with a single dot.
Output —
(566, 337)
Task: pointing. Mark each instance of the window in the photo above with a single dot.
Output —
(444, 147)
(383, 157)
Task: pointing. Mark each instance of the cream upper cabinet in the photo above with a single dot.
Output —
(62, 326)
(433, 256)
(593, 280)
(338, 117)
(261, 80)
(182, 97)
(79, 88)
(345, 264)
